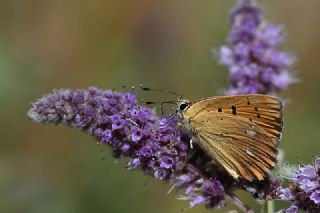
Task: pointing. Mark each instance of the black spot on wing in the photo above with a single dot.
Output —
(234, 110)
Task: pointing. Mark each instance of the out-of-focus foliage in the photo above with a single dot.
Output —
(163, 44)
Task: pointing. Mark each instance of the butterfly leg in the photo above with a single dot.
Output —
(134, 123)
(191, 151)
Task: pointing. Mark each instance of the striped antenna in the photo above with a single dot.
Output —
(162, 90)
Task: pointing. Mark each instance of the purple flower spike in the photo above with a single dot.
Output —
(152, 144)
(255, 65)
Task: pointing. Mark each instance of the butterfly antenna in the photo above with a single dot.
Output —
(161, 104)
(162, 90)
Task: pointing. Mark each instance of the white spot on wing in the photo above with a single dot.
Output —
(248, 152)
(251, 132)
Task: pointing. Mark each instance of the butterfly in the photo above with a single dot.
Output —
(241, 133)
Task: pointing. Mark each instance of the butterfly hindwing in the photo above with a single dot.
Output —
(250, 156)
(240, 132)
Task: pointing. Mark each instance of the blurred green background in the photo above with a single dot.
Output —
(162, 44)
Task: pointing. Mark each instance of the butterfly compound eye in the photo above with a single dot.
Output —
(183, 106)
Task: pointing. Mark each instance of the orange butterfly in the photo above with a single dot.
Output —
(240, 132)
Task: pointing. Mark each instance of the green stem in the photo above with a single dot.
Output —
(270, 206)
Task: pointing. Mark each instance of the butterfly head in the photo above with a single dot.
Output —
(183, 105)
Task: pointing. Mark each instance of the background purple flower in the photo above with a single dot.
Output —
(304, 189)
(251, 55)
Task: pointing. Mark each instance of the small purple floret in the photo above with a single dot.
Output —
(137, 134)
(292, 209)
(315, 197)
(166, 162)
(286, 194)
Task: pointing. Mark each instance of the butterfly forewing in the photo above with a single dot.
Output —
(240, 132)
